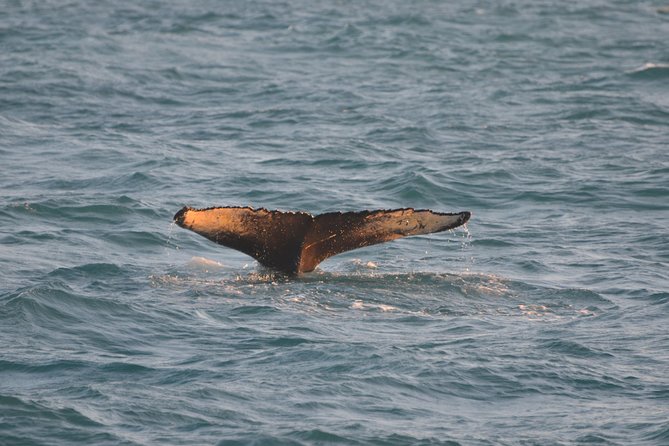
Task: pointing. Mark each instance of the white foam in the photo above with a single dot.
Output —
(204, 263)
(650, 66)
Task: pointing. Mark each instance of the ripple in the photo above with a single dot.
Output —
(87, 270)
(573, 349)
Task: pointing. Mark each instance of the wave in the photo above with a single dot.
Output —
(22, 413)
(53, 312)
(650, 71)
(109, 210)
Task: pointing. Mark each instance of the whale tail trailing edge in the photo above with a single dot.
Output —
(296, 242)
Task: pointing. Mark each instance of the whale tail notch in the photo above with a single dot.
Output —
(296, 242)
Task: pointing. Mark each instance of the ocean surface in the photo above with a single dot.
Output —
(545, 321)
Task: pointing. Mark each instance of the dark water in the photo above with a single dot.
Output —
(544, 322)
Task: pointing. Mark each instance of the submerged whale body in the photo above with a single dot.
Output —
(296, 242)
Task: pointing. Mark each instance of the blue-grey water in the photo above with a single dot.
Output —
(544, 322)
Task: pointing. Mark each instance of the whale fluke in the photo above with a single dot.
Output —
(296, 242)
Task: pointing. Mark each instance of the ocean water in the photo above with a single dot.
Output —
(543, 322)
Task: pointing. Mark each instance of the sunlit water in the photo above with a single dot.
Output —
(543, 322)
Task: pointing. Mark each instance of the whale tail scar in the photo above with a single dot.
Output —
(296, 242)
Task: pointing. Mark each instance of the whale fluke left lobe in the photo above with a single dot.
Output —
(296, 242)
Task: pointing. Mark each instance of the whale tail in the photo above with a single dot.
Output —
(296, 242)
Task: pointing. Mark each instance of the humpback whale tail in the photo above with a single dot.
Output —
(296, 242)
